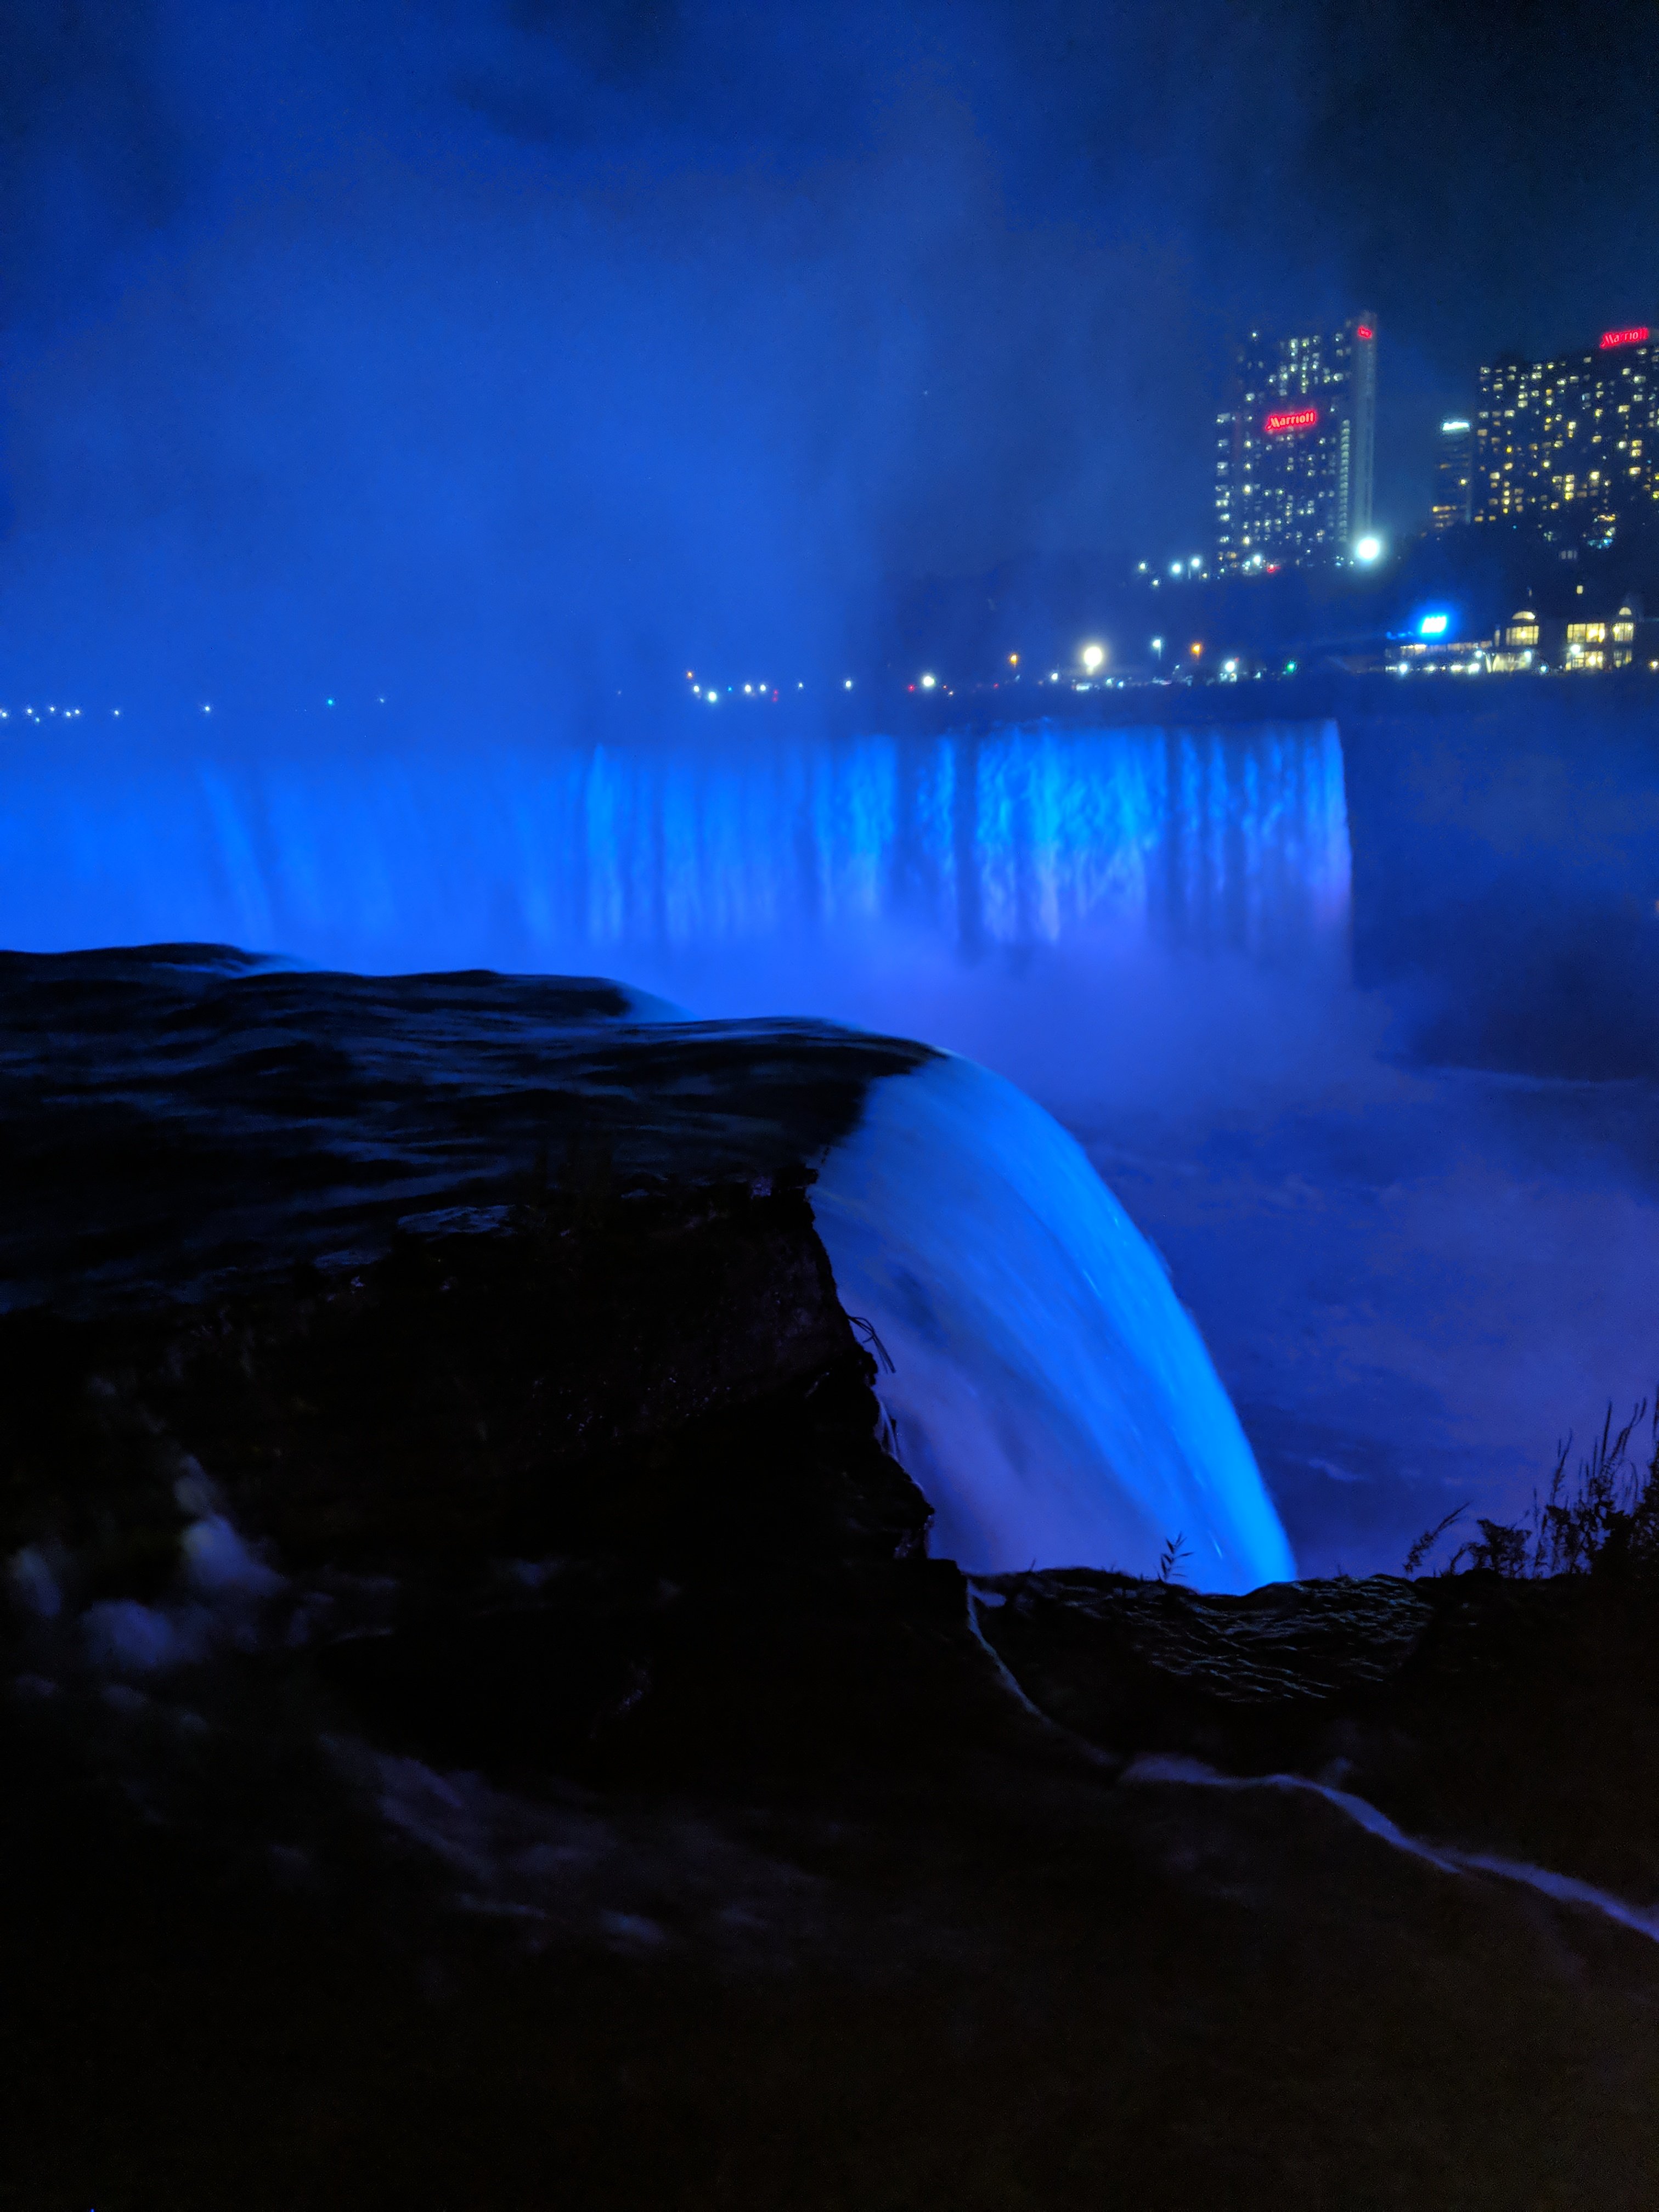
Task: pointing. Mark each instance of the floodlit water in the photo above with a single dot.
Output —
(1412, 1278)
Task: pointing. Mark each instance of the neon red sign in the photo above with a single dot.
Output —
(1638, 337)
(1293, 418)
(1363, 331)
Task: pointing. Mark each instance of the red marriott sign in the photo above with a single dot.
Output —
(1638, 337)
(1293, 418)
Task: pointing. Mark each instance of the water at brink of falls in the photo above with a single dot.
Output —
(1147, 930)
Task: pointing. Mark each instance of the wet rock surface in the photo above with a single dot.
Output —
(1495, 1714)
(483, 1729)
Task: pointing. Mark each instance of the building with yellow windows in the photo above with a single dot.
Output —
(1570, 445)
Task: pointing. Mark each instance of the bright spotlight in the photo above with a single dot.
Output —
(928, 682)
(1368, 550)
(1094, 658)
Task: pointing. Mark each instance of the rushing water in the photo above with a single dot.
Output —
(689, 865)
(1412, 1280)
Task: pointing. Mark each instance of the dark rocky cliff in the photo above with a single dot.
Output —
(483, 1729)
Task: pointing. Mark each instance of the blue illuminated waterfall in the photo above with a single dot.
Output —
(1052, 1397)
(694, 869)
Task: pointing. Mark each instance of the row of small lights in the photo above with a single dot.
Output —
(71, 713)
(1092, 658)
(1366, 550)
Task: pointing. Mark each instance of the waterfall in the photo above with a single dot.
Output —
(686, 868)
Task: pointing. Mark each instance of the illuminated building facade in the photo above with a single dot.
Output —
(1454, 475)
(1296, 449)
(1568, 444)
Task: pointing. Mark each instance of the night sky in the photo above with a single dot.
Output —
(524, 345)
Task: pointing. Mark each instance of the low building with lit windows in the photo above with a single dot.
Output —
(1295, 450)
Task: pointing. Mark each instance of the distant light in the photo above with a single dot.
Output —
(928, 682)
(1140, 567)
(1094, 658)
(1368, 549)
(1013, 660)
(1432, 626)
(1450, 429)
(1054, 677)
(747, 687)
(849, 684)
(1290, 418)
(1158, 645)
(711, 694)
(208, 710)
(1363, 331)
(328, 702)
(1195, 651)
(1638, 335)
(382, 701)
(116, 711)
(1175, 568)
(690, 676)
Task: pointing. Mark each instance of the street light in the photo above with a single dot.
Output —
(1368, 550)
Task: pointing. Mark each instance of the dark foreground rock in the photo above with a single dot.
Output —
(575, 1785)
(483, 1730)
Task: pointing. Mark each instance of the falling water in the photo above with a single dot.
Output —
(689, 868)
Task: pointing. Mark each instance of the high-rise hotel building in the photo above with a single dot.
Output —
(1570, 445)
(1454, 475)
(1296, 449)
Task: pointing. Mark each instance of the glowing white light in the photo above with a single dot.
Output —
(849, 683)
(1368, 549)
(207, 710)
(1175, 568)
(1158, 645)
(747, 687)
(1094, 658)
(928, 682)
(711, 694)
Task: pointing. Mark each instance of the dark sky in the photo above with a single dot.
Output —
(402, 342)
